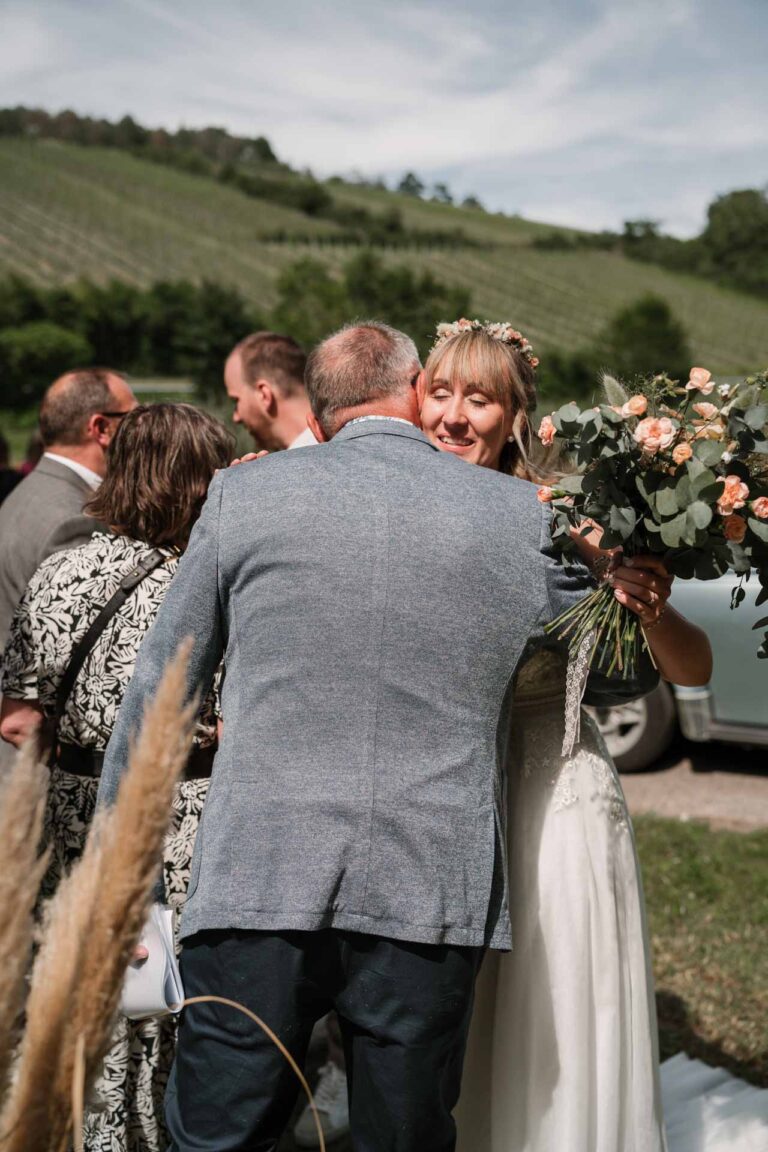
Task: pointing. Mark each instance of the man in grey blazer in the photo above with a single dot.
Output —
(44, 513)
(78, 417)
(372, 600)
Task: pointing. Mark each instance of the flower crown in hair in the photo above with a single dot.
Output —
(497, 331)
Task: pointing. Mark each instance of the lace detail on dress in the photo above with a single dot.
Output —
(565, 795)
(607, 790)
(576, 683)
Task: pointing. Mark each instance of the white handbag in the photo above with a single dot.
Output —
(153, 987)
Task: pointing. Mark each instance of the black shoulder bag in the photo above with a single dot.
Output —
(86, 643)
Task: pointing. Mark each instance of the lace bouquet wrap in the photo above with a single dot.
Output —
(676, 470)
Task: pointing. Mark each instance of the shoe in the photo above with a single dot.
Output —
(333, 1108)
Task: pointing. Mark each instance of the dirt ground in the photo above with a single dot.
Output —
(720, 783)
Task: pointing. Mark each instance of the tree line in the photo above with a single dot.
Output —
(190, 148)
(182, 329)
(731, 250)
(247, 164)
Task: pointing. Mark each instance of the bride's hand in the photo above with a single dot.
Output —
(643, 584)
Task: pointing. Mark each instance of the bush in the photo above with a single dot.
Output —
(173, 328)
(34, 355)
(644, 339)
(312, 303)
(112, 318)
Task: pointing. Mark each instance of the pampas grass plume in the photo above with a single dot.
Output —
(22, 808)
(93, 924)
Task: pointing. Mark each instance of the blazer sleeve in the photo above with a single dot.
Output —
(565, 587)
(191, 608)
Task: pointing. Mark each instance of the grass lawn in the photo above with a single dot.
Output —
(707, 898)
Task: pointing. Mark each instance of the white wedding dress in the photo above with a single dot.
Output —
(563, 1051)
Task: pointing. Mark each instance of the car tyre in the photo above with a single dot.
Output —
(639, 732)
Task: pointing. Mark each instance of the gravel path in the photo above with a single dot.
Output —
(722, 784)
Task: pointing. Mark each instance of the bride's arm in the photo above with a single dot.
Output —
(680, 649)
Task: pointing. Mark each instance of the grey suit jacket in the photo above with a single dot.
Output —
(372, 599)
(43, 514)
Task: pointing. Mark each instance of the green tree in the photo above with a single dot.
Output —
(20, 302)
(639, 230)
(32, 356)
(735, 240)
(221, 320)
(113, 321)
(442, 194)
(170, 340)
(645, 338)
(565, 376)
(410, 185)
(397, 295)
(310, 302)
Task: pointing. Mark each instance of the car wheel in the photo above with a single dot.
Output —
(637, 733)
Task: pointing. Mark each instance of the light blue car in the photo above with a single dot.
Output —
(733, 707)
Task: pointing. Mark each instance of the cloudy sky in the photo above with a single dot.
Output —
(584, 112)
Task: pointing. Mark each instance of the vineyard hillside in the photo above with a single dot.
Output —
(68, 212)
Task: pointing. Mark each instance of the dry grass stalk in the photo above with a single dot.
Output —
(22, 808)
(36, 1116)
(277, 1043)
(131, 853)
(93, 924)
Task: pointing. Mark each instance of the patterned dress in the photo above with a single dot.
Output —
(65, 594)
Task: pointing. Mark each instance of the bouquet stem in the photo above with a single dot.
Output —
(619, 636)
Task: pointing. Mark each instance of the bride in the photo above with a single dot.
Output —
(563, 1052)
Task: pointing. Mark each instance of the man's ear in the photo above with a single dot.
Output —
(98, 429)
(267, 395)
(421, 387)
(315, 429)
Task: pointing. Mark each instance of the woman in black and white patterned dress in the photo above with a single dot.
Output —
(159, 465)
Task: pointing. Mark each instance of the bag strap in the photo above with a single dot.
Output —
(86, 643)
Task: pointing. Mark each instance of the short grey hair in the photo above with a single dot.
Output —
(71, 401)
(361, 362)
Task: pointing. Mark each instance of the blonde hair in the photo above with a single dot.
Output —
(504, 374)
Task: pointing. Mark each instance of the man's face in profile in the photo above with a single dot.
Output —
(250, 408)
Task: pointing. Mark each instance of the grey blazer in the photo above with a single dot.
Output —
(372, 599)
(43, 514)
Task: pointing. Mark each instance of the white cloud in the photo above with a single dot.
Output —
(523, 106)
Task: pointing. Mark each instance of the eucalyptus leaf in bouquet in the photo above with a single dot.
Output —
(680, 471)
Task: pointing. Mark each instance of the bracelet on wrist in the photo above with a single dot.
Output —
(656, 622)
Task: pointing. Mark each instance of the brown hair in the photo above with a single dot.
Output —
(475, 357)
(277, 357)
(71, 401)
(159, 465)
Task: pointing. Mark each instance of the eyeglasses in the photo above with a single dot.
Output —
(114, 415)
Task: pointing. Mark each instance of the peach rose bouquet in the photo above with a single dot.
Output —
(663, 471)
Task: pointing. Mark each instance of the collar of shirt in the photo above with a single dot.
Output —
(92, 479)
(305, 439)
(361, 419)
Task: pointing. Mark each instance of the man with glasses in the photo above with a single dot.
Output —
(79, 415)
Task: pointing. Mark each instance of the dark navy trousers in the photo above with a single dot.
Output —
(404, 1011)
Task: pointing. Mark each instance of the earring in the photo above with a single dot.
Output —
(510, 440)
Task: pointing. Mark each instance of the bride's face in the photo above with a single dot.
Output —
(464, 419)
